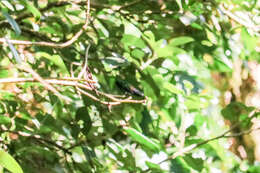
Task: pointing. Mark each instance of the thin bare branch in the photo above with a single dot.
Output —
(37, 77)
(97, 99)
(51, 44)
(37, 138)
(193, 146)
(75, 83)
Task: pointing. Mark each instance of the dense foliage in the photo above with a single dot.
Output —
(127, 86)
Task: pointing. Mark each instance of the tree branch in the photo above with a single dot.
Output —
(26, 15)
(75, 83)
(51, 44)
(193, 146)
(37, 138)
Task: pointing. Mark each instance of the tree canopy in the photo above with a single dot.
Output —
(129, 86)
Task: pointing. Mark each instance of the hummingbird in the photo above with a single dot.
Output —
(129, 88)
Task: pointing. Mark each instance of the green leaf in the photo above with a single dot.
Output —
(56, 59)
(102, 31)
(196, 26)
(4, 119)
(115, 61)
(234, 110)
(161, 82)
(221, 66)
(12, 22)
(149, 35)
(180, 5)
(196, 102)
(36, 13)
(179, 165)
(195, 163)
(211, 36)
(131, 29)
(249, 41)
(165, 51)
(137, 53)
(8, 5)
(49, 30)
(142, 139)
(8, 162)
(153, 166)
(131, 40)
(148, 90)
(170, 87)
(180, 41)
(4, 73)
(89, 153)
(82, 114)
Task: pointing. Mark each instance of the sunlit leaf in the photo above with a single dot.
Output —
(221, 66)
(131, 29)
(8, 162)
(56, 59)
(36, 13)
(180, 41)
(131, 40)
(8, 5)
(5, 119)
(153, 166)
(142, 139)
(170, 87)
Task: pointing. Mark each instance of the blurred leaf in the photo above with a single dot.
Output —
(149, 36)
(234, 110)
(89, 153)
(5, 120)
(137, 53)
(212, 38)
(221, 66)
(254, 169)
(142, 139)
(12, 22)
(122, 154)
(103, 32)
(131, 40)
(8, 162)
(166, 51)
(197, 26)
(179, 165)
(153, 166)
(82, 114)
(4, 73)
(56, 59)
(36, 13)
(8, 5)
(49, 29)
(195, 102)
(131, 29)
(249, 41)
(170, 87)
(180, 40)
(14, 52)
(195, 163)
(115, 61)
